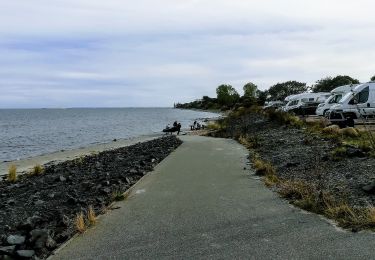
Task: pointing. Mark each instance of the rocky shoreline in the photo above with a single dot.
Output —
(38, 212)
(299, 155)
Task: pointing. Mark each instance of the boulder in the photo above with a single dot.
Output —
(16, 240)
(25, 253)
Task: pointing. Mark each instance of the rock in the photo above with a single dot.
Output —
(39, 202)
(133, 171)
(71, 200)
(7, 250)
(30, 222)
(39, 237)
(50, 243)
(291, 164)
(25, 253)
(11, 202)
(106, 190)
(16, 240)
(369, 188)
(51, 195)
(62, 178)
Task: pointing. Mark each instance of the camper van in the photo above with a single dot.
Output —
(358, 103)
(336, 95)
(305, 103)
(273, 105)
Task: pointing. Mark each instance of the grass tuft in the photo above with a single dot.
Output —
(37, 170)
(12, 173)
(263, 168)
(349, 132)
(80, 223)
(117, 195)
(91, 216)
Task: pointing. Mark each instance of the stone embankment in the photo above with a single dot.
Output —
(37, 213)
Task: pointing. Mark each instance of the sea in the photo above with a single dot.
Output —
(26, 133)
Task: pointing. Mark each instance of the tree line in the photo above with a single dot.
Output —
(228, 97)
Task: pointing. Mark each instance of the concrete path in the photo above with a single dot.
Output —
(200, 203)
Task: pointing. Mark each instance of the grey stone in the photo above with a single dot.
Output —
(369, 188)
(7, 250)
(25, 253)
(15, 240)
(62, 178)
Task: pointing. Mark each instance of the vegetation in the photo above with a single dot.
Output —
(117, 195)
(12, 173)
(227, 95)
(80, 223)
(91, 216)
(37, 170)
(280, 91)
(327, 84)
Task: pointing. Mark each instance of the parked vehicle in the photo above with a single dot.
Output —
(358, 103)
(305, 103)
(336, 95)
(273, 104)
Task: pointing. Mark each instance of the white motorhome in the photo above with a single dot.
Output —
(336, 95)
(305, 101)
(358, 103)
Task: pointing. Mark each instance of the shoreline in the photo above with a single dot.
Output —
(25, 165)
(42, 210)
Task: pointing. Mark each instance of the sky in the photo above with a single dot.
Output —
(152, 53)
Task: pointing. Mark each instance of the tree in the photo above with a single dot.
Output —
(250, 90)
(227, 95)
(329, 83)
(373, 78)
(281, 90)
(262, 96)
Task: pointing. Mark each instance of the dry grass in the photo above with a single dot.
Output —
(263, 168)
(271, 180)
(80, 223)
(284, 118)
(91, 216)
(331, 130)
(12, 173)
(249, 141)
(349, 132)
(214, 126)
(37, 170)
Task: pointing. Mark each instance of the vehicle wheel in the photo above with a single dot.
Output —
(350, 122)
(342, 124)
(325, 113)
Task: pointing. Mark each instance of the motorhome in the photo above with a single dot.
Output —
(305, 103)
(336, 95)
(358, 103)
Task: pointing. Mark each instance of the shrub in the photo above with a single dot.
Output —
(12, 173)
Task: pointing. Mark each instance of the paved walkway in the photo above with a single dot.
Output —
(200, 203)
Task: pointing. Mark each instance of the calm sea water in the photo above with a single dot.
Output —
(30, 132)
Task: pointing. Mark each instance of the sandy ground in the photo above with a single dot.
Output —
(26, 165)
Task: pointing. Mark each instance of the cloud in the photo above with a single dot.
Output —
(155, 52)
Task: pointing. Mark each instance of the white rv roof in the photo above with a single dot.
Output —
(344, 89)
(305, 95)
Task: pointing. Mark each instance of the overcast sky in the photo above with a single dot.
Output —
(122, 53)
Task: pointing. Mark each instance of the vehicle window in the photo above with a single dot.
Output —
(363, 95)
(311, 99)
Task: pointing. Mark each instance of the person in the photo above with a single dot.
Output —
(175, 124)
(178, 128)
(195, 123)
